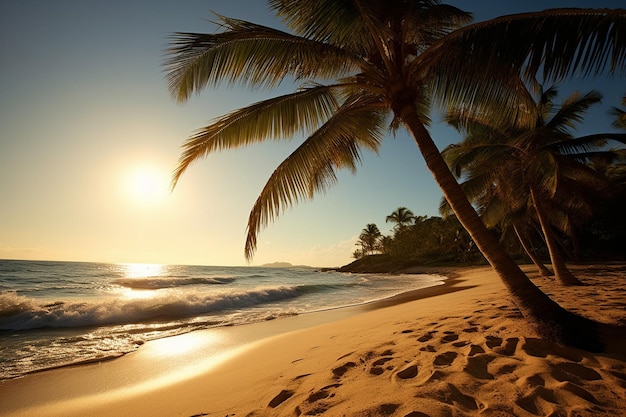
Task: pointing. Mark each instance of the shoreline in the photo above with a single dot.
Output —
(333, 360)
(12, 372)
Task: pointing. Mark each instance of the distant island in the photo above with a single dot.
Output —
(283, 265)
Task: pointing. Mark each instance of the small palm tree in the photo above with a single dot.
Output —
(367, 66)
(402, 217)
(369, 239)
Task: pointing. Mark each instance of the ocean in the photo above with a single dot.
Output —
(54, 314)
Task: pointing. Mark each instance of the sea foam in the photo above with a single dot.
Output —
(22, 313)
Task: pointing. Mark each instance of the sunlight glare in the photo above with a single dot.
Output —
(178, 345)
(147, 185)
(143, 270)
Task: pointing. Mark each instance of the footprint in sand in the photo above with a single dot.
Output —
(282, 396)
(445, 359)
(322, 393)
(382, 410)
(408, 372)
(493, 342)
(377, 368)
(339, 371)
(428, 336)
(574, 372)
(540, 402)
(578, 391)
(477, 366)
(452, 395)
(450, 337)
(475, 350)
(510, 345)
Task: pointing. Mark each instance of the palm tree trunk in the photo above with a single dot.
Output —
(550, 319)
(545, 272)
(561, 273)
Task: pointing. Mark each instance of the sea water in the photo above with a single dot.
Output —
(54, 314)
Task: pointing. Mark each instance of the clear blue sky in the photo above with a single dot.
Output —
(89, 136)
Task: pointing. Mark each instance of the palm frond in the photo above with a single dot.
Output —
(311, 168)
(541, 171)
(276, 118)
(334, 21)
(248, 54)
(551, 44)
(572, 111)
(585, 144)
(620, 115)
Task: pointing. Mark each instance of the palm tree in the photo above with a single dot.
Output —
(367, 66)
(540, 171)
(369, 239)
(402, 217)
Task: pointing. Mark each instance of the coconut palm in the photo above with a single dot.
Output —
(369, 239)
(498, 207)
(401, 216)
(366, 66)
(541, 171)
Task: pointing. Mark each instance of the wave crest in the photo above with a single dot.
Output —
(155, 283)
(22, 313)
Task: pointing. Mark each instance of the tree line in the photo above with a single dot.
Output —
(420, 240)
(548, 195)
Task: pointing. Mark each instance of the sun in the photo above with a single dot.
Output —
(147, 185)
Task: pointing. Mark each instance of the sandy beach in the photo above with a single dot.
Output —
(459, 349)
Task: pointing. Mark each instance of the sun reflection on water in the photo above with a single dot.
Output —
(137, 271)
(143, 270)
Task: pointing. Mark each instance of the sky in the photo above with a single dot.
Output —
(89, 136)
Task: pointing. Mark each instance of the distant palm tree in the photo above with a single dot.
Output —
(402, 217)
(369, 65)
(370, 239)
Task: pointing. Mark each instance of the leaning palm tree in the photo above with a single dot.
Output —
(366, 66)
(402, 217)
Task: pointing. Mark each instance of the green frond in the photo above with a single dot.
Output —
(551, 44)
(494, 212)
(585, 145)
(500, 100)
(334, 21)
(311, 168)
(276, 118)
(572, 111)
(542, 172)
(426, 25)
(250, 55)
(444, 208)
(465, 157)
(556, 43)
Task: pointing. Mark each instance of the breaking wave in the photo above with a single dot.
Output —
(22, 313)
